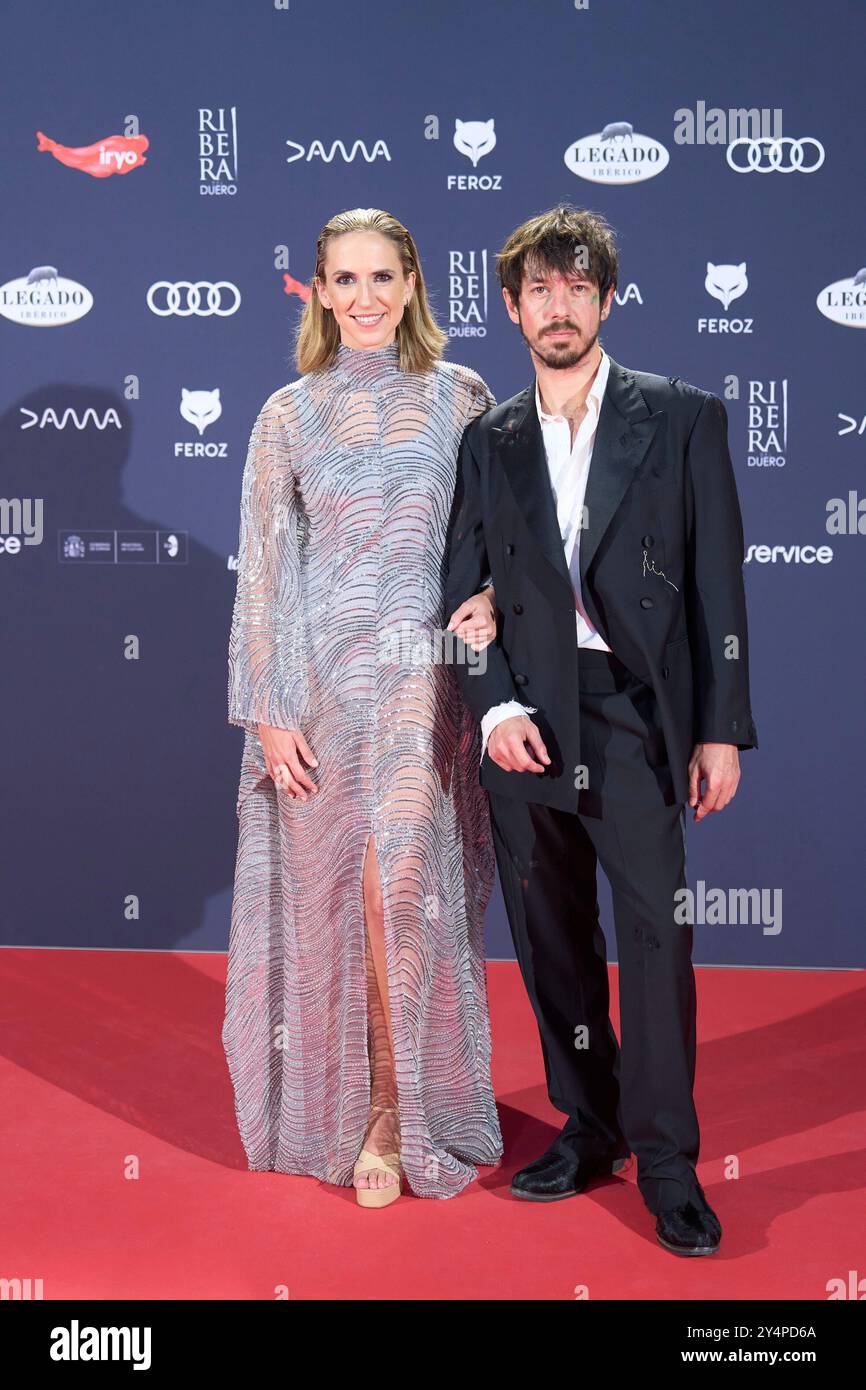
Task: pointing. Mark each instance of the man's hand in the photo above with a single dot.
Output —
(507, 745)
(474, 622)
(719, 765)
(283, 750)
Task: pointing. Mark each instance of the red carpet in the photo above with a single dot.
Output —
(112, 1062)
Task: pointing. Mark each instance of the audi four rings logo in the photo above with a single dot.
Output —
(185, 298)
(767, 155)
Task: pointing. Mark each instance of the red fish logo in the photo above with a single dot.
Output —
(119, 154)
(293, 286)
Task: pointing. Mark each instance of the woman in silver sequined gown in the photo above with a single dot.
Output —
(337, 632)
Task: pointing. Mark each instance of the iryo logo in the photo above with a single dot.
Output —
(118, 154)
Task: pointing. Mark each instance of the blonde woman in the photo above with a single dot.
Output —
(356, 1027)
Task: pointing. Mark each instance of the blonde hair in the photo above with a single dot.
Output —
(420, 340)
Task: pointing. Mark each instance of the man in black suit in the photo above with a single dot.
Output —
(615, 692)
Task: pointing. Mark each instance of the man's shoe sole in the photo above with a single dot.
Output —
(681, 1250)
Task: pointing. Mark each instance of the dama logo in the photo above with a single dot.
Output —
(59, 419)
(851, 424)
(317, 150)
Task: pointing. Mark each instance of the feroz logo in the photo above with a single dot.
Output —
(200, 408)
(616, 155)
(474, 139)
(44, 299)
(725, 283)
(845, 301)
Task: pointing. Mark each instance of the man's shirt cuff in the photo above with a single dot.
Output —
(496, 714)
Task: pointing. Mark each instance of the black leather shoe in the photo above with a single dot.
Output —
(690, 1229)
(554, 1176)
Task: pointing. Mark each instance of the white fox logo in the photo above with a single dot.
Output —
(726, 282)
(200, 408)
(474, 138)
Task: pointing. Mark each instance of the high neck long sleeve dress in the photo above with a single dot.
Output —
(337, 630)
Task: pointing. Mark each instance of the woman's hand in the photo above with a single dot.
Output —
(475, 620)
(283, 750)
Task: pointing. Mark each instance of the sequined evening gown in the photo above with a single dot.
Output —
(345, 502)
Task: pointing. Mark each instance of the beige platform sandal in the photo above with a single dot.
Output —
(378, 1196)
(388, 1163)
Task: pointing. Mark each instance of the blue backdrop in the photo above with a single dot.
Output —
(207, 143)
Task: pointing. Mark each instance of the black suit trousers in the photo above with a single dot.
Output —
(638, 1095)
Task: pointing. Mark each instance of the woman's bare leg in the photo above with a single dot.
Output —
(383, 1133)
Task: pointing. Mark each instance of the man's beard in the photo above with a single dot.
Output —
(558, 355)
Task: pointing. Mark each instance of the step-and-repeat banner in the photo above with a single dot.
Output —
(167, 169)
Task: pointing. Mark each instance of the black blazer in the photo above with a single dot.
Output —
(661, 557)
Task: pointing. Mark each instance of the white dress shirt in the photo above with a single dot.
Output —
(568, 466)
